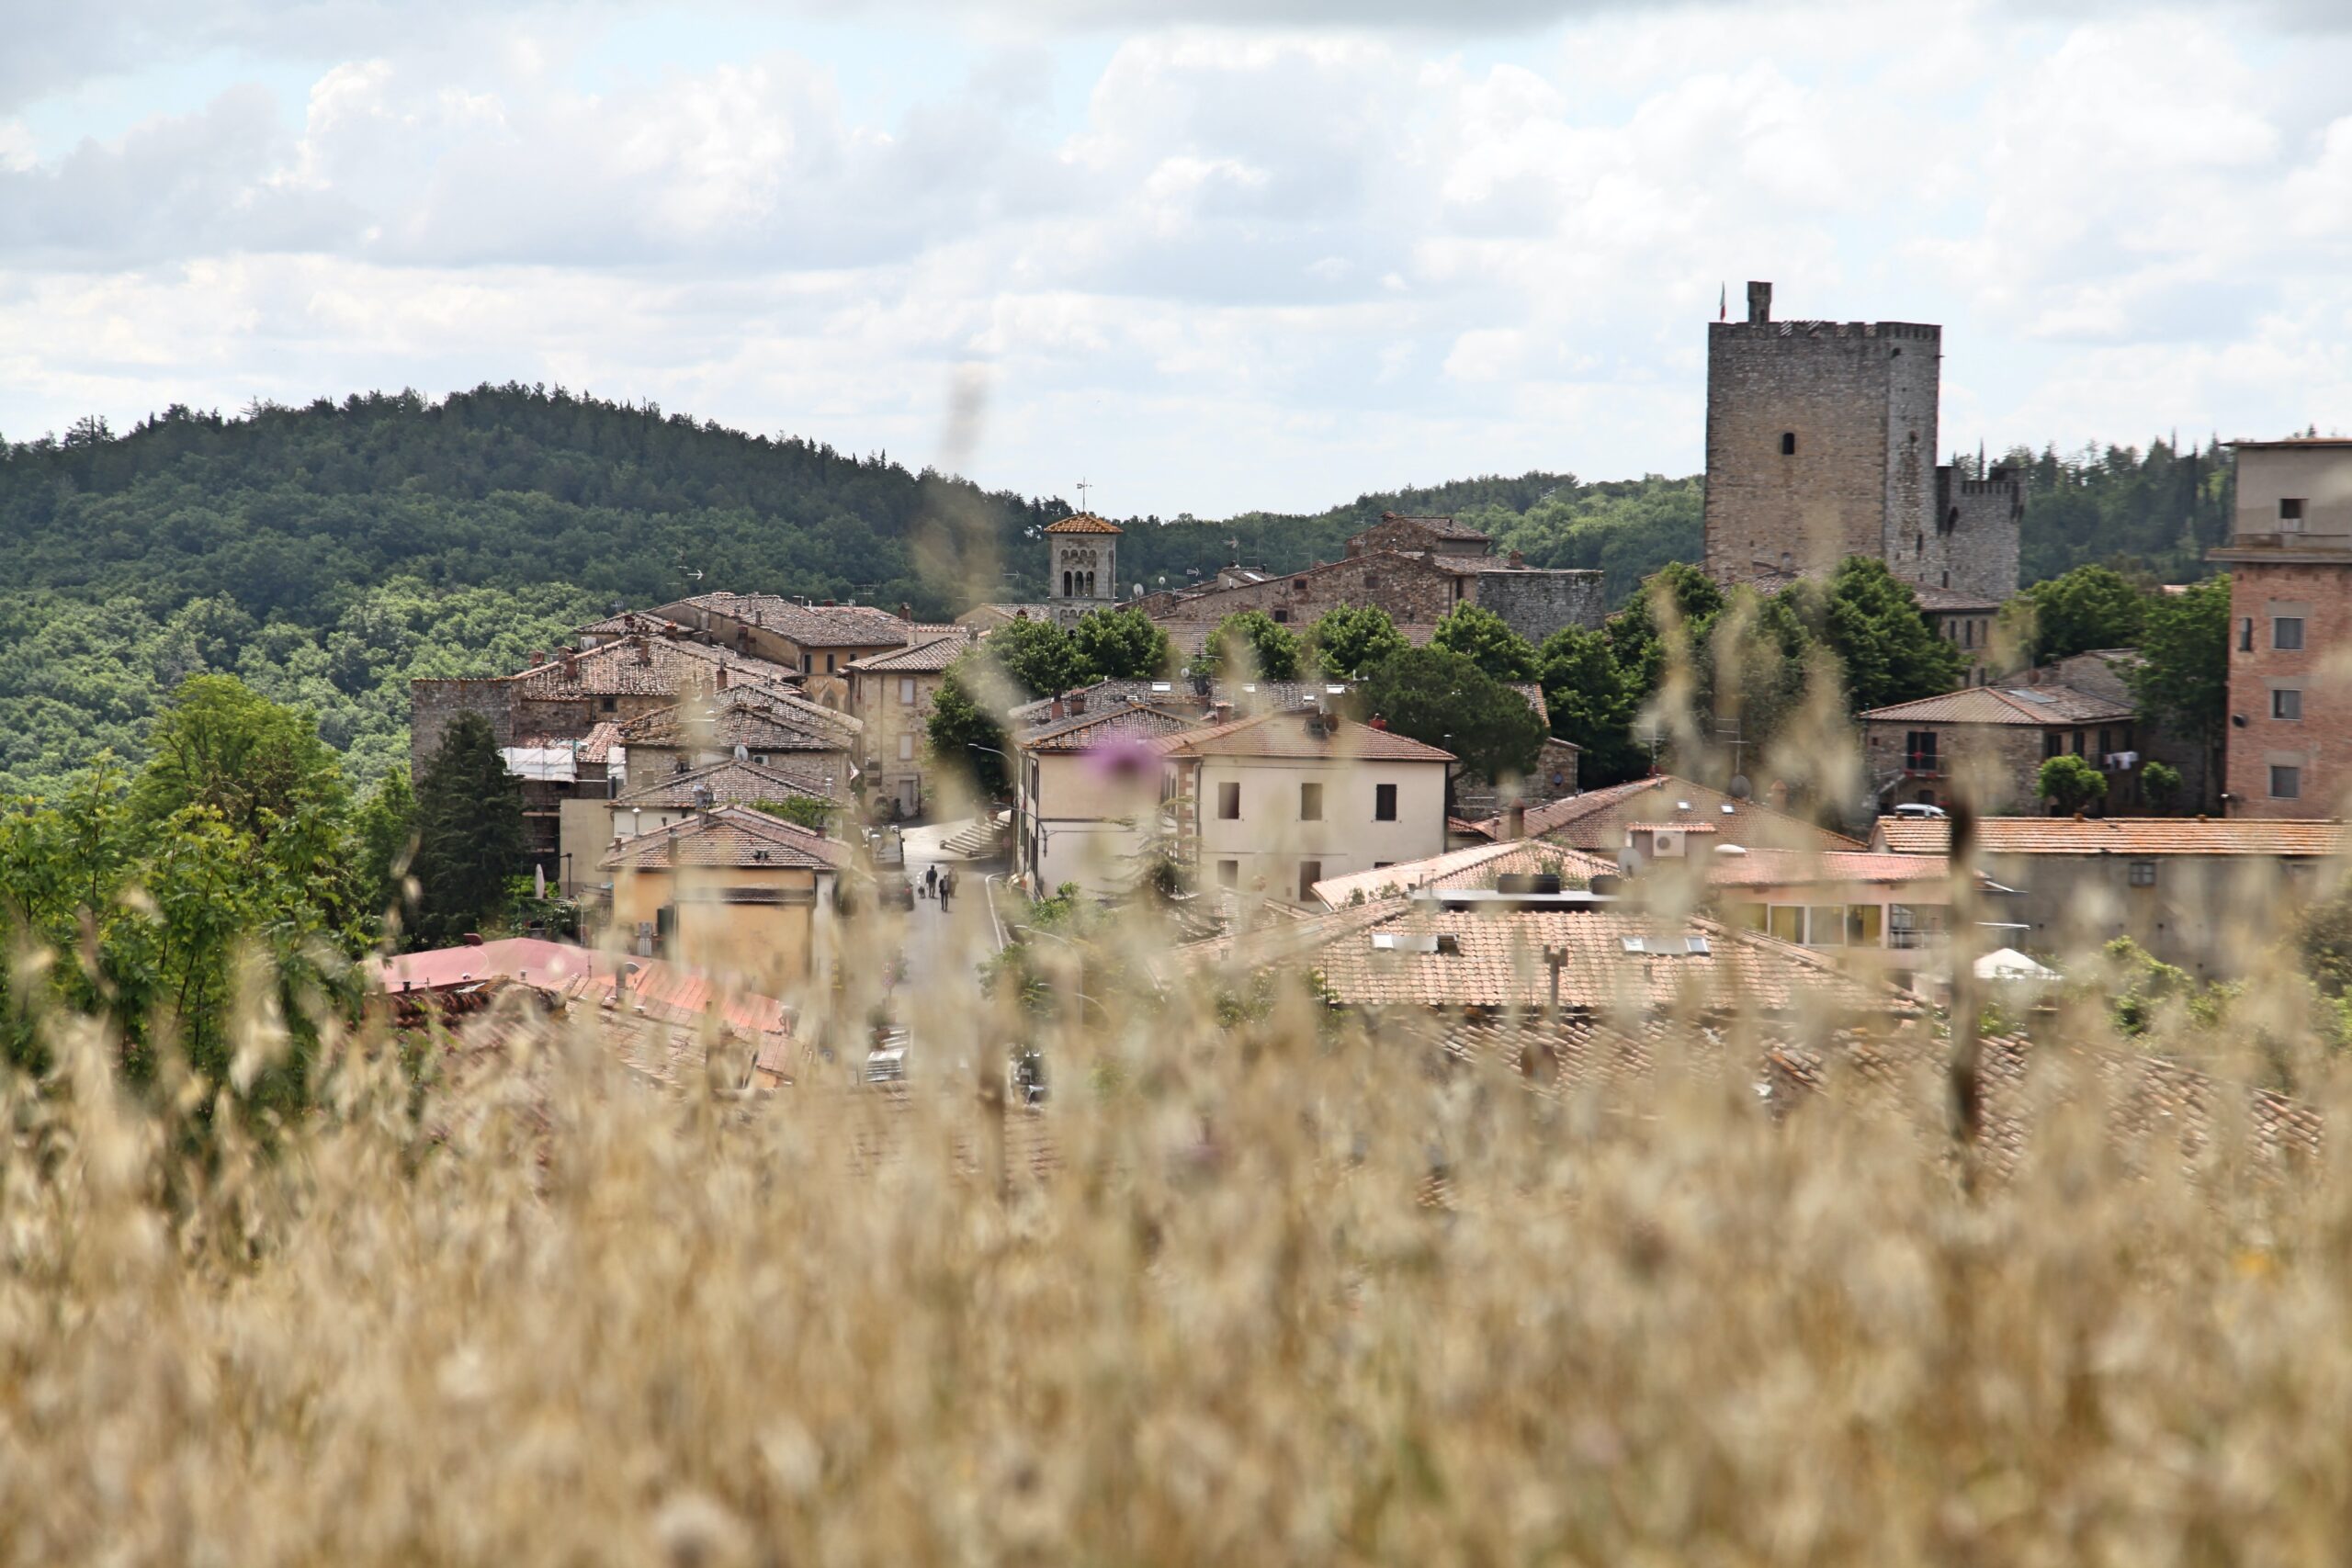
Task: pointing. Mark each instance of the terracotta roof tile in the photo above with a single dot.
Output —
(918, 659)
(730, 835)
(810, 626)
(1477, 866)
(761, 718)
(2117, 835)
(1597, 819)
(1083, 523)
(2038, 706)
(1122, 724)
(730, 783)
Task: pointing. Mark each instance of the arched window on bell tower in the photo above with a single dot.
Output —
(1066, 585)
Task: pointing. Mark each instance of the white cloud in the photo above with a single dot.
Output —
(1271, 265)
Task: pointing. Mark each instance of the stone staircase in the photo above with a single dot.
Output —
(982, 839)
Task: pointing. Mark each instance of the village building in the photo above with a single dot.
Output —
(817, 641)
(1597, 820)
(1997, 738)
(892, 695)
(729, 890)
(1275, 802)
(2290, 560)
(1822, 439)
(590, 827)
(2206, 896)
(1527, 865)
(1086, 789)
(771, 726)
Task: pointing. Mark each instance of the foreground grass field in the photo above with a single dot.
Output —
(1259, 1291)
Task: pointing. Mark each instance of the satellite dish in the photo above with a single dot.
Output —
(1740, 788)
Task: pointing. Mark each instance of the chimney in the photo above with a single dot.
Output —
(1378, 722)
(829, 604)
(571, 669)
(722, 677)
(1058, 710)
(906, 611)
(1759, 304)
(1515, 820)
(538, 657)
(1077, 703)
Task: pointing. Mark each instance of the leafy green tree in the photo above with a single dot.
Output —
(1886, 648)
(2069, 783)
(1592, 705)
(469, 833)
(1487, 640)
(2161, 782)
(1252, 645)
(2089, 607)
(965, 738)
(2183, 677)
(1446, 700)
(222, 745)
(800, 810)
(384, 835)
(1676, 593)
(1037, 656)
(1121, 645)
(1347, 639)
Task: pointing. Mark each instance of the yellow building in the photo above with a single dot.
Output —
(730, 891)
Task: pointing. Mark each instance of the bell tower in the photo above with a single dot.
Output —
(1081, 565)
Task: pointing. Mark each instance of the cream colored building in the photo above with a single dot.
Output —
(1279, 802)
(891, 694)
(732, 892)
(1086, 797)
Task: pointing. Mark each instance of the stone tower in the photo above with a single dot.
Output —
(1081, 565)
(1821, 444)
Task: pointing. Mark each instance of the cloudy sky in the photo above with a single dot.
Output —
(1209, 256)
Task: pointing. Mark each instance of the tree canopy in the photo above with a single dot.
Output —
(1487, 640)
(1445, 699)
(2089, 607)
(1346, 640)
(1251, 645)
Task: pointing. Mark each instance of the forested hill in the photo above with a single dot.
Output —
(328, 554)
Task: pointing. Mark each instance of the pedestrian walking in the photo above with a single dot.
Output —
(946, 888)
(929, 880)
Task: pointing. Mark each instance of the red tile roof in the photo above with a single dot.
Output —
(1083, 523)
(665, 990)
(1119, 724)
(810, 626)
(2117, 835)
(735, 837)
(1793, 868)
(761, 718)
(2037, 705)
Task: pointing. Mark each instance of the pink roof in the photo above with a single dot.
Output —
(585, 972)
(1788, 868)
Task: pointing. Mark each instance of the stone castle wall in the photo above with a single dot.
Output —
(1537, 604)
(1863, 424)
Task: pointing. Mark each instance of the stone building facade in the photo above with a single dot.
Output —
(892, 695)
(2290, 557)
(1821, 444)
(1415, 569)
(1082, 566)
(1995, 738)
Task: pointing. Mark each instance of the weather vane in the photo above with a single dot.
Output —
(1083, 488)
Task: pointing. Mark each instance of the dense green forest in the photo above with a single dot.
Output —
(328, 554)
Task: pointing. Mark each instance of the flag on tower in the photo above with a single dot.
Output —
(1723, 305)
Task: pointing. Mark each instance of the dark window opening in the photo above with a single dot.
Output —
(1383, 803)
(2286, 633)
(1920, 750)
(2290, 513)
(2287, 703)
(2286, 783)
(1788, 443)
(2245, 635)
(1228, 802)
(1310, 872)
(1228, 873)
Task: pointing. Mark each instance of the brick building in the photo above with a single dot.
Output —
(1821, 444)
(2290, 557)
(1415, 569)
(1920, 751)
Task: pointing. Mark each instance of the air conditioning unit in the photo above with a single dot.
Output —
(1667, 841)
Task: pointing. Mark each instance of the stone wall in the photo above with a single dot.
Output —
(1978, 532)
(1537, 604)
(1857, 401)
(434, 704)
(1408, 588)
(1398, 533)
